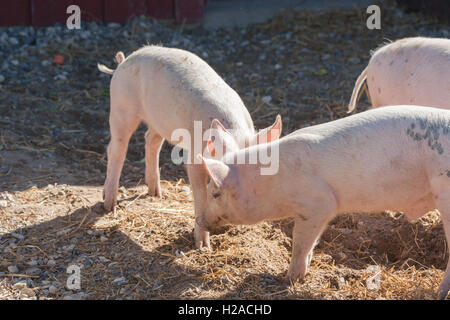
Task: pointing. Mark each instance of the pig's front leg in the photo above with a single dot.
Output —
(197, 179)
(307, 230)
(153, 143)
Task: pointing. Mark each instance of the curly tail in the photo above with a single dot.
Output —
(355, 96)
(120, 57)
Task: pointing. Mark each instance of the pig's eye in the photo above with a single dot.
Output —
(216, 195)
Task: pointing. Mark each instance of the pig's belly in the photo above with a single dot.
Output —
(413, 198)
(175, 114)
(417, 209)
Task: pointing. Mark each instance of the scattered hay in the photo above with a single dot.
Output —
(52, 164)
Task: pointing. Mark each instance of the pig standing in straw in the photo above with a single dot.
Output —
(411, 71)
(395, 158)
(169, 89)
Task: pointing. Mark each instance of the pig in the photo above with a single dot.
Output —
(410, 71)
(390, 158)
(169, 89)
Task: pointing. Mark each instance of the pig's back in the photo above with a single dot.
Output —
(376, 154)
(376, 124)
(186, 87)
(411, 71)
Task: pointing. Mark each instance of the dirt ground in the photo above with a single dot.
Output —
(53, 137)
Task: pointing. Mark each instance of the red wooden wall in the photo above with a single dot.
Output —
(47, 12)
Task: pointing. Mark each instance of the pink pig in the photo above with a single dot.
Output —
(410, 71)
(387, 158)
(169, 89)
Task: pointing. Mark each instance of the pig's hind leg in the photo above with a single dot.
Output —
(441, 188)
(153, 144)
(443, 205)
(122, 124)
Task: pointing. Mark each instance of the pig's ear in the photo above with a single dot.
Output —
(216, 170)
(216, 124)
(268, 134)
(220, 139)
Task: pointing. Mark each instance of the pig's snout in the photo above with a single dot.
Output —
(201, 223)
(208, 226)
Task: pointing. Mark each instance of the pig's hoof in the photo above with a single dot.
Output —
(202, 239)
(292, 278)
(154, 191)
(443, 293)
(203, 245)
(287, 280)
(109, 205)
